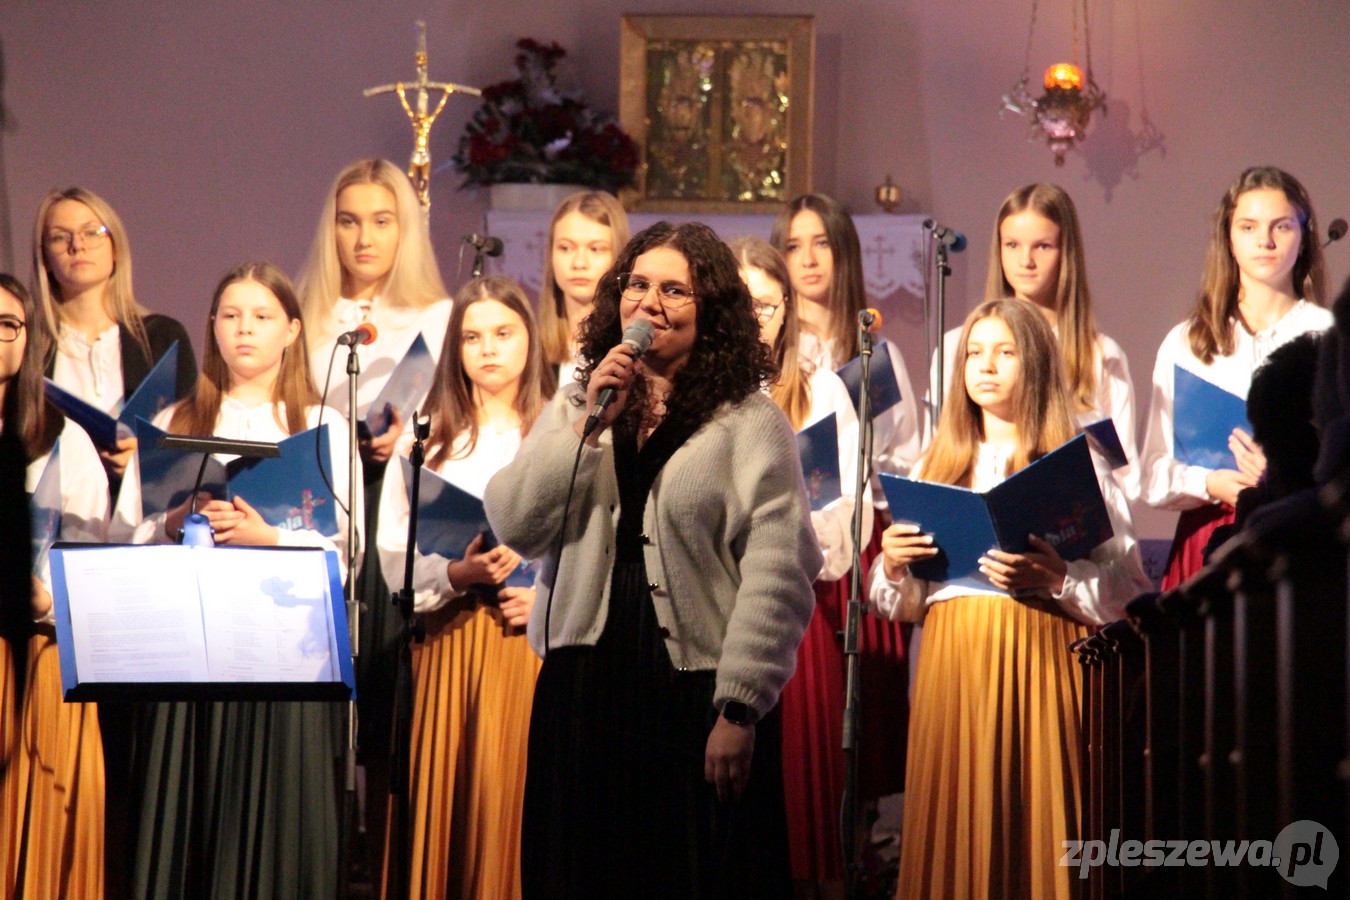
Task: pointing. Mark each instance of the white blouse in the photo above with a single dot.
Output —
(92, 372)
(1096, 589)
(254, 423)
(431, 577)
(833, 525)
(1114, 400)
(84, 493)
(396, 329)
(1168, 483)
(895, 433)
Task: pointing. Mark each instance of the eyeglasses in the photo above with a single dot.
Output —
(91, 237)
(673, 295)
(763, 309)
(9, 330)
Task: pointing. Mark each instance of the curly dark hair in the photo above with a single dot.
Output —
(728, 361)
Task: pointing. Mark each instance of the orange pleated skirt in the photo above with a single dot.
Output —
(992, 786)
(474, 689)
(51, 782)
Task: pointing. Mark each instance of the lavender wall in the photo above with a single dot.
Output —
(215, 128)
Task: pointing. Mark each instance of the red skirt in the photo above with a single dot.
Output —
(1193, 531)
(813, 711)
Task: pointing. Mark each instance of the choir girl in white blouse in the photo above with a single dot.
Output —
(106, 342)
(1264, 283)
(474, 675)
(51, 755)
(993, 784)
(259, 815)
(1038, 256)
(588, 230)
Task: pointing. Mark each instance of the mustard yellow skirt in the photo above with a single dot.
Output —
(51, 782)
(474, 688)
(992, 785)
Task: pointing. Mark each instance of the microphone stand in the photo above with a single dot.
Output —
(400, 751)
(478, 256)
(852, 623)
(349, 806)
(943, 270)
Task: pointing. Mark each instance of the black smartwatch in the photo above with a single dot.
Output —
(738, 713)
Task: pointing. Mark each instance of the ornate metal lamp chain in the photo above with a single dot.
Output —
(1031, 35)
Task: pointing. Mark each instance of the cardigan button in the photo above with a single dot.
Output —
(653, 586)
(663, 631)
(646, 540)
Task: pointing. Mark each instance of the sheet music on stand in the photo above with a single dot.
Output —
(171, 622)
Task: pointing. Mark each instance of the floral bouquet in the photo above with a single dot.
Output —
(528, 130)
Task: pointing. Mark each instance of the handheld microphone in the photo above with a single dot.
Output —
(950, 237)
(869, 320)
(365, 333)
(638, 336)
(1335, 231)
(485, 244)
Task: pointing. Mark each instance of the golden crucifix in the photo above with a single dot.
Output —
(419, 167)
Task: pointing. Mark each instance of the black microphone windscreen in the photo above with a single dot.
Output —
(1336, 230)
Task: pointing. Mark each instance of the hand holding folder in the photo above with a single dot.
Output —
(287, 491)
(155, 393)
(1057, 498)
(452, 523)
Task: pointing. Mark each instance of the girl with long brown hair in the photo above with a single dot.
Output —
(992, 787)
(474, 674)
(1264, 284)
(259, 815)
(51, 754)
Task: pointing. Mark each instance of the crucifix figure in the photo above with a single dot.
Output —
(419, 166)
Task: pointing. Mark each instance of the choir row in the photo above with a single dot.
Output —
(1021, 375)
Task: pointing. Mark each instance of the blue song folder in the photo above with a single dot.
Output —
(1057, 497)
(1203, 416)
(449, 518)
(1104, 438)
(44, 507)
(288, 491)
(155, 393)
(408, 384)
(885, 387)
(818, 445)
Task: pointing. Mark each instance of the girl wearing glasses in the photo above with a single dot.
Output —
(670, 621)
(51, 753)
(106, 342)
(474, 674)
(824, 259)
(589, 228)
(256, 813)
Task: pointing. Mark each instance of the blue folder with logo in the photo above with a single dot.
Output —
(407, 385)
(885, 391)
(1057, 497)
(288, 491)
(818, 445)
(449, 518)
(155, 393)
(44, 507)
(1203, 416)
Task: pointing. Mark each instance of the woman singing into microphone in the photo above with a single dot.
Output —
(670, 621)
